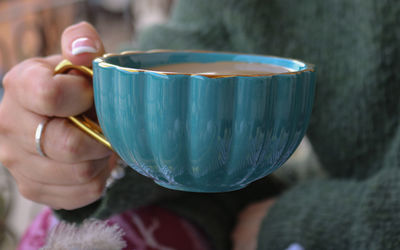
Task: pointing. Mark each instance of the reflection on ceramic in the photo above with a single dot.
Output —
(197, 132)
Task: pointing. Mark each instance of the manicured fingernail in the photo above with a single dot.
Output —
(83, 45)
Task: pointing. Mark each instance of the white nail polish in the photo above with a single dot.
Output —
(83, 45)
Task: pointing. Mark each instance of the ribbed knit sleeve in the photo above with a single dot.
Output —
(337, 214)
(358, 206)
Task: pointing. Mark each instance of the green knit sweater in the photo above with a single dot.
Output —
(354, 128)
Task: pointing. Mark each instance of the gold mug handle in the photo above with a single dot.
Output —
(84, 123)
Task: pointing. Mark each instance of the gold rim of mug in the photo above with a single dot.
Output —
(102, 63)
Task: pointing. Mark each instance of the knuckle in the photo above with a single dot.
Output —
(6, 157)
(44, 90)
(47, 95)
(30, 193)
(3, 121)
(96, 188)
(85, 172)
(11, 77)
(8, 79)
(71, 143)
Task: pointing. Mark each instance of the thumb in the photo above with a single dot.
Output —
(80, 43)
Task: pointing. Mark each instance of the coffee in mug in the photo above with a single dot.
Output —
(221, 68)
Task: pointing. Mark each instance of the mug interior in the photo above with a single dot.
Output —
(144, 60)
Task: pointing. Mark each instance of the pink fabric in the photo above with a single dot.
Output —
(148, 228)
(35, 235)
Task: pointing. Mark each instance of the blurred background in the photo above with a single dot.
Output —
(30, 28)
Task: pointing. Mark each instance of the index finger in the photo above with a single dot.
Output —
(35, 87)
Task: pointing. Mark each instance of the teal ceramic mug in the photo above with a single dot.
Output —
(199, 132)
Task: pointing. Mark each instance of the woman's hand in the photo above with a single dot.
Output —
(245, 234)
(75, 167)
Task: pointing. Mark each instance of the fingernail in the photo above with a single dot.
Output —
(83, 45)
